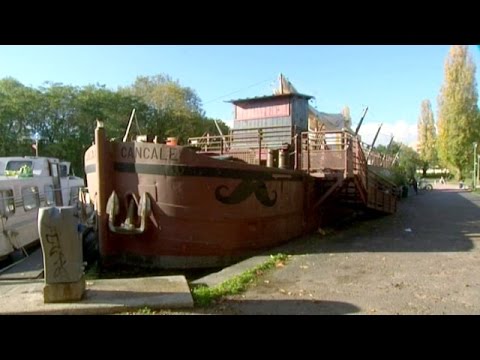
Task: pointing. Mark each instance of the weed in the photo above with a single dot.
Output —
(204, 296)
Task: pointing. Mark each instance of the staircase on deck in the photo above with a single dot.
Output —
(338, 158)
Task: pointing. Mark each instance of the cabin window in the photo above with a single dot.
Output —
(20, 168)
(63, 171)
(49, 195)
(16, 165)
(31, 198)
(7, 203)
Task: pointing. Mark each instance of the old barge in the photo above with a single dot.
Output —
(222, 198)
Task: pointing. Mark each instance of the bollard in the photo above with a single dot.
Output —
(270, 158)
(62, 254)
(283, 159)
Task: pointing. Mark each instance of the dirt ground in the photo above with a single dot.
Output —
(425, 259)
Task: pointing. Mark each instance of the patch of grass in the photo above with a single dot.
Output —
(204, 296)
(143, 311)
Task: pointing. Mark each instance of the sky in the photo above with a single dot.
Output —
(391, 80)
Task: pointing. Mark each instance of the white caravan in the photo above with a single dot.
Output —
(27, 183)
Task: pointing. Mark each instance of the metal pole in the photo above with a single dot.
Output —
(474, 165)
(36, 147)
(478, 168)
(128, 126)
(373, 143)
(260, 132)
(360, 122)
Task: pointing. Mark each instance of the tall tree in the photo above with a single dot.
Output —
(458, 118)
(408, 161)
(178, 107)
(19, 109)
(165, 94)
(427, 135)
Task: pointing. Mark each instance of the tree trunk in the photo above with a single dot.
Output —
(424, 169)
(459, 174)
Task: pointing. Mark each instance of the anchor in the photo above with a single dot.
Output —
(128, 226)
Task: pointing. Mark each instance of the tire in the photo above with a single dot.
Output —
(428, 187)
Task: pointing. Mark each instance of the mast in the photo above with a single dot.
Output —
(129, 125)
(387, 150)
(361, 121)
(389, 144)
(374, 140)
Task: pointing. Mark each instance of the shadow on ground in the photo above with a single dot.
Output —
(285, 307)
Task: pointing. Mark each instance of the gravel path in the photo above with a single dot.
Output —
(425, 259)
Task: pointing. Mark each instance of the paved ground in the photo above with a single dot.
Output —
(423, 260)
(30, 267)
(101, 296)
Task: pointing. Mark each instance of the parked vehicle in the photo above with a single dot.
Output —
(424, 184)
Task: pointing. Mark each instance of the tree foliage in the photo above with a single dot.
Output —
(166, 95)
(406, 161)
(458, 118)
(175, 110)
(65, 115)
(18, 112)
(426, 136)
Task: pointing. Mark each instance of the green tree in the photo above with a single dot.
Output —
(409, 161)
(94, 102)
(404, 161)
(176, 110)
(426, 137)
(19, 109)
(458, 119)
(65, 115)
(165, 94)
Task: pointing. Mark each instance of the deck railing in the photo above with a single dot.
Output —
(250, 145)
(314, 152)
(326, 151)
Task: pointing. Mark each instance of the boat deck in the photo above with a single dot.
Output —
(348, 171)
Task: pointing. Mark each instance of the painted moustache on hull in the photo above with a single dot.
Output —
(243, 192)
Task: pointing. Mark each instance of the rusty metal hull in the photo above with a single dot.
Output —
(204, 212)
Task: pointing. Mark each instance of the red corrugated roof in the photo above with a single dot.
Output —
(258, 98)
